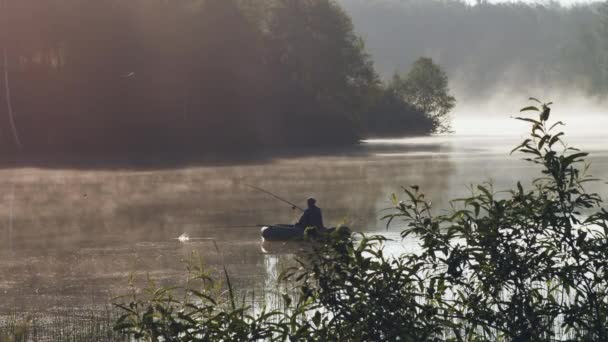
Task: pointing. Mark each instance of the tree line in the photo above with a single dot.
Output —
(491, 47)
(188, 76)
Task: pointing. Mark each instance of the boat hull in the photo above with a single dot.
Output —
(286, 232)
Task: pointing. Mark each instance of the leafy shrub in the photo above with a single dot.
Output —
(518, 265)
(523, 264)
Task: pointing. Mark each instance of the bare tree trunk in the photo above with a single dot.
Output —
(9, 105)
(7, 86)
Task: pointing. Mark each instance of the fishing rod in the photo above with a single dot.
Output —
(293, 206)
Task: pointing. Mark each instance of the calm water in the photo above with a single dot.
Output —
(71, 238)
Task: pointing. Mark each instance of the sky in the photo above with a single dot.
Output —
(564, 2)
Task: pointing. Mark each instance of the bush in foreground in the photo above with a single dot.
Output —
(519, 265)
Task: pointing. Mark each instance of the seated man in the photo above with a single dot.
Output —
(312, 216)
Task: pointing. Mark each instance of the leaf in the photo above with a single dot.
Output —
(556, 124)
(534, 99)
(542, 141)
(523, 144)
(555, 138)
(317, 319)
(529, 108)
(520, 188)
(201, 295)
(411, 196)
(537, 127)
(485, 191)
(544, 116)
(230, 289)
(528, 120)
(531, 151)
(572, 158)
(390, 220)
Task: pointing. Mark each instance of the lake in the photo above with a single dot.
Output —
(72, 238)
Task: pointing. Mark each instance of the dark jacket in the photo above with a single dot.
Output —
(312, 217)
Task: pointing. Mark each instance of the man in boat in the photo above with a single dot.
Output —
(312, 216)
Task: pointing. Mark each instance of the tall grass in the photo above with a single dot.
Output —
(77, 327)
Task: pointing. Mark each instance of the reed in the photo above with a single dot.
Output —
(81, 326)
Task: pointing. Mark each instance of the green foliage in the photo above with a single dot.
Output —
(357, 293)
(528, 264)
(522, 264)
(518, 265)
(418, 103)
(185, 76)
(392, 115)
(426, 87)
(326, 75)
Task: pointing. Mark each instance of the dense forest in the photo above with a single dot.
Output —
(139, 77)
(491, 48)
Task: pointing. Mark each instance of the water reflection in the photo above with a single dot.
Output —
(71, 238)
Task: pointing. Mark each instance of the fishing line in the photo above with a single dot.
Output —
(293, 205)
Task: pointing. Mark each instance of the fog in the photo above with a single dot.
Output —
(582, 115)
(160, 85)
(497, 51)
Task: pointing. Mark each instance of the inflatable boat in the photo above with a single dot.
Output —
(289, 232)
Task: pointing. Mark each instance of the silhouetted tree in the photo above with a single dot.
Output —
(392, 116)
(322, 64)
(426, 87)
(158, 79)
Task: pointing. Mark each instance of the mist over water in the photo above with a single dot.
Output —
(72, 238)
(582, 115)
